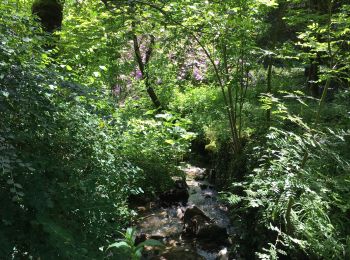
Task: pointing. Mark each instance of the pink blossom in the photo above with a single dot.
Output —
(138, 74)
(197, 74)
(117, 90)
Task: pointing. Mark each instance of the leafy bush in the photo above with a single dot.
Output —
(126, 248)
(205, 108)
(64, 180)
(157, 145)
(69, 160)
(296, 193)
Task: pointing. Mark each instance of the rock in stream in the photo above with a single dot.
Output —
(190, 221)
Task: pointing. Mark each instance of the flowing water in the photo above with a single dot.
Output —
(166, 223)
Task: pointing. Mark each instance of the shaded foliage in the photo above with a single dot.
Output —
(261, 85)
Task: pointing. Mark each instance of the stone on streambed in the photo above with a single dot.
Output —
(139, 200)
(179, 253)
(179, 213)
(194, 212)
(203, 186)
(198, 225)
(178, 194)
(194, 219)
(223, 254)
(212, 233)
(200, 176)
(212, 176)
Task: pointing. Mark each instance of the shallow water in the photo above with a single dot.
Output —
(166, 223)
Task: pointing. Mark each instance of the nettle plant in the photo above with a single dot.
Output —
(127, 249)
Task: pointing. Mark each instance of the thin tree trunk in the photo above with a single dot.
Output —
(269, 86)
(289, 225)
(143, 65)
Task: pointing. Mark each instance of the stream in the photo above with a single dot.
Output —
(199, 229)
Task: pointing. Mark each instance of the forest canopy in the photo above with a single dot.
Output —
(102, 103)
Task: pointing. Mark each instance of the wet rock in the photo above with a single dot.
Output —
(140, 238)
(181, 184)
(208, 196)
(179, 194)
(174, 196)
(173, 243)
(197, 224)
(203, 186)
(179, 253)
(223, 254)
(164, 214)
(199, 177)
(139, 200)
(212, 176)
(194, 211)
(141, 209)
(213, 233)
(194, 219)
(179, 213)
(188, 232)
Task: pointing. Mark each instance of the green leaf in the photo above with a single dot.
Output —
(118, 245)
(150, 112)
(5, 93)
(54, 229)
(150, 242)
(19, 186)
(170, 141)
(130, 234)
(26, 39)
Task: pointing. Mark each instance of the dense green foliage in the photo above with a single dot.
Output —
(69, 158)
(101, 108)
(127, 248)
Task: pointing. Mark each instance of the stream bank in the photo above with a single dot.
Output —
(189, 220)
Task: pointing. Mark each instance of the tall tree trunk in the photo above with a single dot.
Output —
(312, 77)
(143, 65)
(269, 86)
(50, 13)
